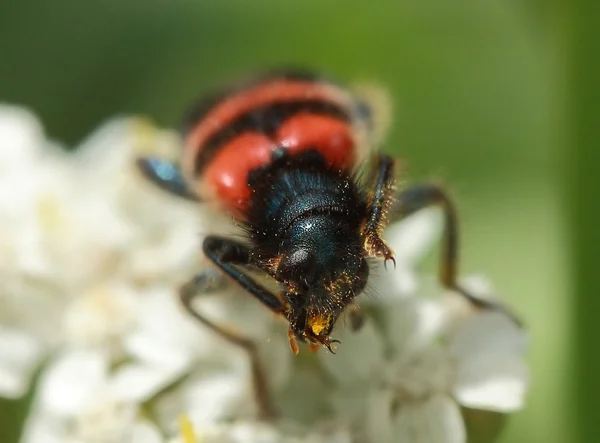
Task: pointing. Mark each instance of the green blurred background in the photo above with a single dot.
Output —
(484, 101)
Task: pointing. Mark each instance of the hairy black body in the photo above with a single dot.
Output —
(305, 222)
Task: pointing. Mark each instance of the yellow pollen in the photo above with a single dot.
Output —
(144, 134)
(187, 430)
(318, 323)
(50, 213)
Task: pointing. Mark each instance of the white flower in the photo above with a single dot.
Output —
(107, 251)
(73, 253)
(79, 400)
(243, 432)
(33, 189)
(19, 355)
(411, 240)
(91, 259)
(422, 364)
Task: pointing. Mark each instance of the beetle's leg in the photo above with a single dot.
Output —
(166, 175)
(418, 197)
(382, 185)
(227, 254)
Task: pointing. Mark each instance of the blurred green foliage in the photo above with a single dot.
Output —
(581, 159)
(479, 96)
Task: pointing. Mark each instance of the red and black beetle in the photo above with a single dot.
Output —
(282, 154)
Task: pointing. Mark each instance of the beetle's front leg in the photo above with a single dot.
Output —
(383, 185)
(228, 255)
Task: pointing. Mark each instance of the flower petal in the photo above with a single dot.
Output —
(145, 432)
(21, 138)
(138, 383)
(207, 399)
(104, 420)
(357, 357)
(413, 324)
(261, 432)
(278, 359)
(252, 432)
(378, 421)
(237, 432)
(414, 236)
(410, 239)
(99, 316)
(493, 382)
(306, 395)
(387, 285)
(436, 420)
(107, 151)
(215, 397)
(348, 401)
(166, 335)
(42, 428)
(71, 381)
(19, 356)
(492, 373)
(489, 332)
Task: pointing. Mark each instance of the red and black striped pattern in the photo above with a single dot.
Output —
(235, 131)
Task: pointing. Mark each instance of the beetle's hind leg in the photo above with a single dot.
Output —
(419, 197)
(387, 206)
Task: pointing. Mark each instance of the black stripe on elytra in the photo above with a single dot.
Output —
(265, 120)
(208, 101)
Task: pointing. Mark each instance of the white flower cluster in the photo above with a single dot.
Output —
(90, 259)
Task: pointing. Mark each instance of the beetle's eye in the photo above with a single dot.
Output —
(299, 267)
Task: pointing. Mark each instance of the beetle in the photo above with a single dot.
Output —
(284, 154)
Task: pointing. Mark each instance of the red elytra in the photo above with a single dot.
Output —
(244, 101)
(226, 177)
